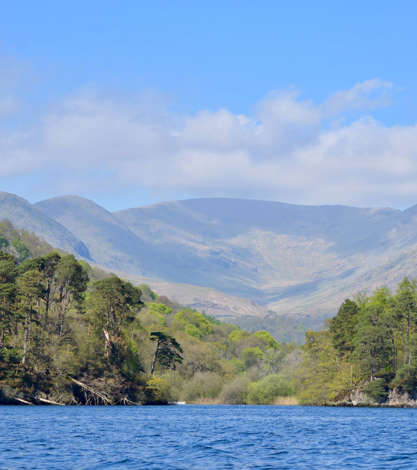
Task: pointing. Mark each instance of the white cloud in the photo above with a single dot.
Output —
(284, 151)
(364, 96)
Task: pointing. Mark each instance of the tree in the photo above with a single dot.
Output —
(374, 346)
(47, 266)
(343, 327)
(71, 281)
(167, 353)
(8, 274)
(30, 293)
(406, 308)
(113, 304)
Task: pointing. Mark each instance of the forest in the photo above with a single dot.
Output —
(73, 334)
(368, 353)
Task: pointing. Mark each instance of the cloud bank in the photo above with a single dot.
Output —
(287, 149)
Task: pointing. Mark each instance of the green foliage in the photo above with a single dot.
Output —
(343, 327)
(251, 356)
(148, 295)
(266, 390)
(22, 250)
(268, 340)
(203, 385)
(158, 308)
(238, 335)
(373, 348)
(235, 392)
(377, 390)
(323, 376)
(406, 379)
(73, 334)
(157, 391)
(168, 351)
(193, 323)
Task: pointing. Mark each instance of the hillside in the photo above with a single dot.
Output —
(26, 216)
(237, 258)
(287, 258)
(67, 337)
(109, 242)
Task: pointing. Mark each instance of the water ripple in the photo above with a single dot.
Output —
(207, 438)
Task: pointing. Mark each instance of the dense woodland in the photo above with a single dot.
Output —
(368, 353)
(72, 334)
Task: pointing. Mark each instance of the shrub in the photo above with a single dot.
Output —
(267, 389)
(156, 391)
(235, 393)
(377, 390)
(267, 339)
(251, 356)
(203, 385)
(406, 380)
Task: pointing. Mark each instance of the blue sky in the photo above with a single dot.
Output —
(135, 102)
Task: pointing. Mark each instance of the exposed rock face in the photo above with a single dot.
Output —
(396, 398)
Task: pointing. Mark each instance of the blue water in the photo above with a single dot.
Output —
(207, 437)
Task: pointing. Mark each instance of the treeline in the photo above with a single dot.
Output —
(69, 335)
(367, 354)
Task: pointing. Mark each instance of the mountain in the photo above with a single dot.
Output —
(289, 258)
(24, 215)
(110, 242)
(242, 258)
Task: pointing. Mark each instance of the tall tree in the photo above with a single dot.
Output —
(71, 281)
(167, 352)
(343, 327)
(8, 274)
(47, 266)
(113, 304)
(30, 294)
(406, 306)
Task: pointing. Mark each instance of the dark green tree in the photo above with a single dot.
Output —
(406, 312)
(343, 327)
(113, 304)
(167, 353)
(71, 283)
(8, 274)
(30, 288)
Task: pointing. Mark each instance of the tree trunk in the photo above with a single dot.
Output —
(155, 357)
(25, 337)
(107, 343)
(47, 301)
(407, 346)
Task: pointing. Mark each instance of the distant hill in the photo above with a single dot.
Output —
(24, 215)
(234, 257)
(110, 242)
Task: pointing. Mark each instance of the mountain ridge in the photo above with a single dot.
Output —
(284, 258)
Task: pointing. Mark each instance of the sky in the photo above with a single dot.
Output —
(132, 103)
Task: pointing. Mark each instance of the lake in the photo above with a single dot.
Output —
(207, 437)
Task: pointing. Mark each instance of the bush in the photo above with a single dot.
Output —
(156, 391)
(266, 390)
(235, 393)
(268, 340)
(203, 385)
(406, 380)
(377, 390)
(193, 323)
(251, 356)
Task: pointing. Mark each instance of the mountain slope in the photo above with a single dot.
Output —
(290, 258)
(109, 241)
(24, 215)
(285, 258)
